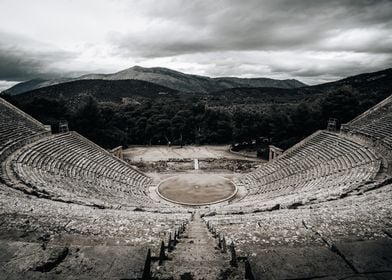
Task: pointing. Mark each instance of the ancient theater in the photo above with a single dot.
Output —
(72, 210)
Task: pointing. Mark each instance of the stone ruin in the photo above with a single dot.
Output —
(71, 210)
(117, 152)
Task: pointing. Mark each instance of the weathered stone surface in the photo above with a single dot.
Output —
(198, 256)
(368, 256)
(292, 263)
(85, 262)
(57, 255)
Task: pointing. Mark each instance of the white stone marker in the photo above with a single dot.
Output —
(196, 164)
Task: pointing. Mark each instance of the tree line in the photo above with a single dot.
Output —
(182, 121)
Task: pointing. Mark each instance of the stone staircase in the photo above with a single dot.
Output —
(198, 255)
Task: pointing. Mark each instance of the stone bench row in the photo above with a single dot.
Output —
(376, 124)
(66, 152)
(325, 163)
(16, 128)
(381, 129)
(88, 189)
(309, 193)
(354, 217)
(14, 124)
(22, 213)
(68, 167)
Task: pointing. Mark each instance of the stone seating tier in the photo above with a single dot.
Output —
(15, 128)
(376, 123)
(324, 166)
(68, 167)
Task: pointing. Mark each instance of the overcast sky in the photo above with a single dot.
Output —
(313, 41)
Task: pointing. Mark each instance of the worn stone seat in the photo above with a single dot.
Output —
(324, 165)
(59, 166)
(16, 129)
(376, 123)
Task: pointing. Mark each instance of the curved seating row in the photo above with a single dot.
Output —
(69, 167)
(362, 216)
(16, 127)
(323, 166)
(32, 226)
(376, 123)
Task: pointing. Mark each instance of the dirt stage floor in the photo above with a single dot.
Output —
(196, 188)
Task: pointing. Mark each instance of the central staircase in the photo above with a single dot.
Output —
(197, 255)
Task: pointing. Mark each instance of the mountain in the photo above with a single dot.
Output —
(192, 83)
(166, 77)
(232, 82)
(369, 86)
(376, 83)
(102, 90)
(161, 76)
(32, 84)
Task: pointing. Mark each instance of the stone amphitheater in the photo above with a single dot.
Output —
(71, 210)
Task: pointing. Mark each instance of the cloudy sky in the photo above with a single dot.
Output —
(313, 41)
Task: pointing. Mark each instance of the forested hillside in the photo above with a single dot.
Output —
(161, 115)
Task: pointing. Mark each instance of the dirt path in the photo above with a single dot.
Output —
(197, 256)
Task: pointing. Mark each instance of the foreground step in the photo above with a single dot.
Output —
(197, 256)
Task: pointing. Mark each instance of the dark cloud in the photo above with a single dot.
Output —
(23, 59)
(314, 41)
(329, 69)
(208, 26)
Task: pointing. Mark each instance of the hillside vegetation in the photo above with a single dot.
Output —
(160, 115)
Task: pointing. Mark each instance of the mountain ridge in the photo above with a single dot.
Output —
(369, 85)
(165, 77)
